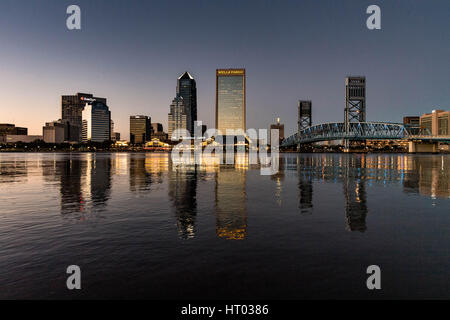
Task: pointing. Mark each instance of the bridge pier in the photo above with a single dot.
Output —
(422, 147)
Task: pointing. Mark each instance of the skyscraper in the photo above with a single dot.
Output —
(177, 117)
(280, 127)
(71, 111)
(140, 129)
(230, 99)
(157, 127)
(187, 89)
(96, 122)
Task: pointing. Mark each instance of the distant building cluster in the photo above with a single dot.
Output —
(86, 118)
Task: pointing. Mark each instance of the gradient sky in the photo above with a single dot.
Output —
(132, 52)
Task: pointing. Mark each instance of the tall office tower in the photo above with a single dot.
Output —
(230, 99)
(157, 127)
(96, 122)
(140, 129)
(71, 110)
(177, 117)
(277, 126)
(304, 114)
(187, 89)
(111, 131)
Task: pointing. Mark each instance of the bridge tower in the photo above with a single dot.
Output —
(355, 102)
(304, 115)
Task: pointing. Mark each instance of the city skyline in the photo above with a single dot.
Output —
(286, 59)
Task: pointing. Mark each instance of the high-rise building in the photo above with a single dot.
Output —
(111, 131)
(177, 117)
(140, 129)
(56, 131)
(157, 127)
(280, 127)
(187, 89)
(230, 100)
(96, 122)
(72, 107)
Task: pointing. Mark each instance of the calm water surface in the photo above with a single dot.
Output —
(142, 227)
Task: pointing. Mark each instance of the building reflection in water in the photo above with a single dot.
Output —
(72, 199)
(183, 195)
(231, 200)
(13, 170)
(140, 179)
(99, 171)
(278, 179)
(355, 193)
(85, 182)
(429, 176)
(305, 185)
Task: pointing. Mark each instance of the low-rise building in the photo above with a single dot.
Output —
(56, 132)
(436, 122)
(15, 138)
(11, 129)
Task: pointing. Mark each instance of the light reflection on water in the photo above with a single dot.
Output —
(120, 202)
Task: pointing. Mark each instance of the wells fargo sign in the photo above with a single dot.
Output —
(230, 72)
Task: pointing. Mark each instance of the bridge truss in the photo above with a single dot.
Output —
(356, 131)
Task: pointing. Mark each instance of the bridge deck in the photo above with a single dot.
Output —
(357, 131)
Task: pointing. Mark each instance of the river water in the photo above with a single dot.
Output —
(140, 226)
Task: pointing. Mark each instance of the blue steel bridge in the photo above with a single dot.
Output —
(356, 131)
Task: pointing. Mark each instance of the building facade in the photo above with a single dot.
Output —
(177, 118)
(187, 89)
(157, 127)
(11, 129)
(15, 138)
(280, 127)
(56, 132)
(230, 100)
(140, 129)
(435, 123)
(96, 122)
(72, 107)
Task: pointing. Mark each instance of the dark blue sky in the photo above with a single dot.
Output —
(133, 51)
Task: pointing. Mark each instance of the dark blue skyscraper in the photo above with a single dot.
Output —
(187, 89)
